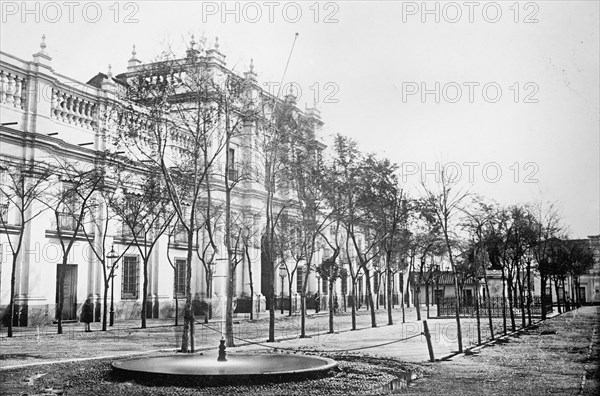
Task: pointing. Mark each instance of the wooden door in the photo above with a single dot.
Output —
(69, 311)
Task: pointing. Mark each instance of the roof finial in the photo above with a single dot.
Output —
(192, 43)
(291, 91)
(109, 74)
(133, 52)
(251, 65)
(43, 43)
(217, 43)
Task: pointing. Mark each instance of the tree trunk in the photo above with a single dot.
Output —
(302, 315)
(401, 286)
(543, 295)
(187, 337)
(503, 300)
(11, 304)
(390, 296)
(289, 298)
(176, 299)
(558, 302)
(251, 284)
(566, 299)
(105, 304)
(145, 292)
(331, 305)
(529, 296)
(370, 298)
(521, 298)
(417, 302)
(511, 301)
(61, 292)
(427, 298)
(353, 304)
(378, 278)
(489, 303)
(478, 315)
(271, 311)
(407, 287)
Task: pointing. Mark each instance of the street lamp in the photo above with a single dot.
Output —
(318, 299)
(282, 275)
(112, 255)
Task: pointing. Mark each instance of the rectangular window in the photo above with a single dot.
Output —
(130, 281)
(233, 172)
(299, 279)
(325, 285)
(70, 207)
(179, 291)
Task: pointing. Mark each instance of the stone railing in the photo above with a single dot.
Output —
(73, 109)
(12, 89)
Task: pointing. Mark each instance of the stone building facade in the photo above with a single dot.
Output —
(48, 116)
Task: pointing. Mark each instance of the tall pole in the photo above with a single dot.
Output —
(282, 278)
(112, 296)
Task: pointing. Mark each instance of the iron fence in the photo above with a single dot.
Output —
(447, 306)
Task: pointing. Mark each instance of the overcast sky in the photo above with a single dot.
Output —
(510, 88)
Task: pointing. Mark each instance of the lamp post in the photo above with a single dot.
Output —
(318, 299)
(112, 255)
(282, 275)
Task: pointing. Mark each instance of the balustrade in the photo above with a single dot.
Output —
(12, 88)
(71, 109)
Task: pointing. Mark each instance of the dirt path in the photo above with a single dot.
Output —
(561, 356)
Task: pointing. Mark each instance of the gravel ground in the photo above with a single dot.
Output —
(356, 374)
(553, 358)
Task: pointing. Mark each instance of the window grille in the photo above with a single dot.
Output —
(180, 267)
(299, 279)
(131, 278)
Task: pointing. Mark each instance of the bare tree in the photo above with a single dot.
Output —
(445, 200)
(73, 204)
(21, 186)
(174, 125)
(145, 214)
(548, 229)
(476, 224)
(277, 122)
(100, 219)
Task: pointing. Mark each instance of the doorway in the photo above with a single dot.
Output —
(582, 295)
(69, 311)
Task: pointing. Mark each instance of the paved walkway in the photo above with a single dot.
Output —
(33, 346)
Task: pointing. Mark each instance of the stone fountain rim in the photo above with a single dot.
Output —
(329, 364)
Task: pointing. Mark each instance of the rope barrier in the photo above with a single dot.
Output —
(321, 350)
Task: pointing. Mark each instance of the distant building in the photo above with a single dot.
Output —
(589, 284)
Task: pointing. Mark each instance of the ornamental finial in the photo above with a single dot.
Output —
(217, 43)
(133, 52)
(251, 65)
(43, 43)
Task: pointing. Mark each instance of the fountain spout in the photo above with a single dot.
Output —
(222, 354)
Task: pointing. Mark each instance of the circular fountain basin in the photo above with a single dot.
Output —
(238, 367)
